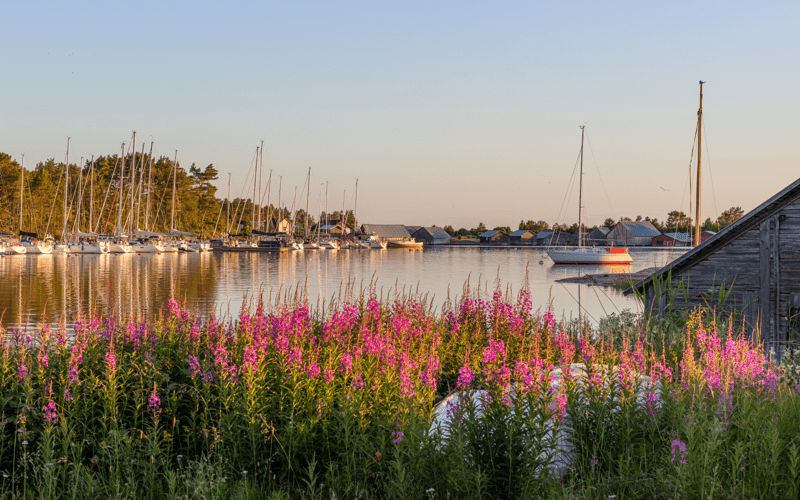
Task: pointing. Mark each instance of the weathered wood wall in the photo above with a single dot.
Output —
(761, 266)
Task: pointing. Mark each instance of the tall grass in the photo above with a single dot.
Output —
(287, 403)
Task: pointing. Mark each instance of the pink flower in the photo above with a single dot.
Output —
(49, 411)
(397, 437)
(154, 403)
(679, 451)
(465, 377)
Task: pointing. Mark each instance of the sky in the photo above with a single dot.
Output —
(446, 112)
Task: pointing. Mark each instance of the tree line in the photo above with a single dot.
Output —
(676, 222)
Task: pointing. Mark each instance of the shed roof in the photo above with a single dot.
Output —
(490, 233)
(386, 230)
(519, 232)
(434, 232)
(603, 229)
(641, 229)
(719, 240)
(544, 234)
(682, 237)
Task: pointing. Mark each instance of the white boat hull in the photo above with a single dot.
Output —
(328, 245)
(88, 248)
(120, 248)
(590, 256)
(147, 248)
(14, 250)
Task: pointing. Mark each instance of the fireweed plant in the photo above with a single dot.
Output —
(285, 402)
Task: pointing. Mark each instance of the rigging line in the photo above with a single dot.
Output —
(241, 195)
(604, 293)
(710, 175)
(567, 196)
(579, 304)
(602, 183)
(689, 178)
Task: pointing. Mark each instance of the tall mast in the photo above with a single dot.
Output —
(326, 203)
(79, 208)
(255, 187)
(133, 178)
(120, 190)
(280, 208)
(149, 188)
(308, 192)
(139, 190)
(91, 196)
(580, 195)
(260, 178)
(344, 219)
(355, 211)
(174, 181)
(21, 189)
(699, 146)
(319, 217)
(66, 197)
(228, 217)
(269, 201)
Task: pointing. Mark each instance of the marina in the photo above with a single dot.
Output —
(49, 289)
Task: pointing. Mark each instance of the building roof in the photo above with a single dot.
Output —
(519, 232)
(641, 229)
(434, 232)
(544, 234)
(712, 233)
(722, 238)
(490, 233)
(682, 237)
(385, 230)
(603, 229)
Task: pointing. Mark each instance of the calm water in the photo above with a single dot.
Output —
(47, 288)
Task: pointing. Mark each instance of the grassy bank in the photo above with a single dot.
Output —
(283, 403)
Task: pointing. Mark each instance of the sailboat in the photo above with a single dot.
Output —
(588, 255)
(30, 240)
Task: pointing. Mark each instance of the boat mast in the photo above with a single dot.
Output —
(133, 180)
(255, 187)
(280, 208)
(355, 211)
(326, 206)
(228, 217)
(174, 180)
(343, 218)
(121, 191)
(269, 201)
(699, 146)
(260, 178)
(66, 190)
(139, 190)
(149, 188)
(580, 195)
(91, 196)
(308, 192)
(21, 189)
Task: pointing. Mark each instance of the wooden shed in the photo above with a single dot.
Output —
(522, 237)
(632, 234)
(432, 236)
(673, 240)
(494, 237)
(756, 259)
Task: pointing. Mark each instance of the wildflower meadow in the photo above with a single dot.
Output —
(287, 402)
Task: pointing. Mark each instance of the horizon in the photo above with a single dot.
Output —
(470, 112)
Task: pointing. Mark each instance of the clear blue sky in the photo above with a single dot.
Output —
(447, 112)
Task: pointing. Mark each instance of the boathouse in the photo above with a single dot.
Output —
(386, 232)
(522, 237)
(751, 266)
(598, 236)
(547, 238)
(494, 237)
(673, 240)
(632, 234)
(432, 236)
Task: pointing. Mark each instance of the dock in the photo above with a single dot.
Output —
(610, 279)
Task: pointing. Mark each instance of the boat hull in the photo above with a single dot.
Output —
(590, 256)
(405, 244)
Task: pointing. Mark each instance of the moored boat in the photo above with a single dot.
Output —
(409, 243)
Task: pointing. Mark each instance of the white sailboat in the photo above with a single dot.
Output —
(588, 255)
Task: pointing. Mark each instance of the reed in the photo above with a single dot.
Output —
(286, 402)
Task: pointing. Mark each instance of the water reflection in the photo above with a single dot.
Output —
(47, 288)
